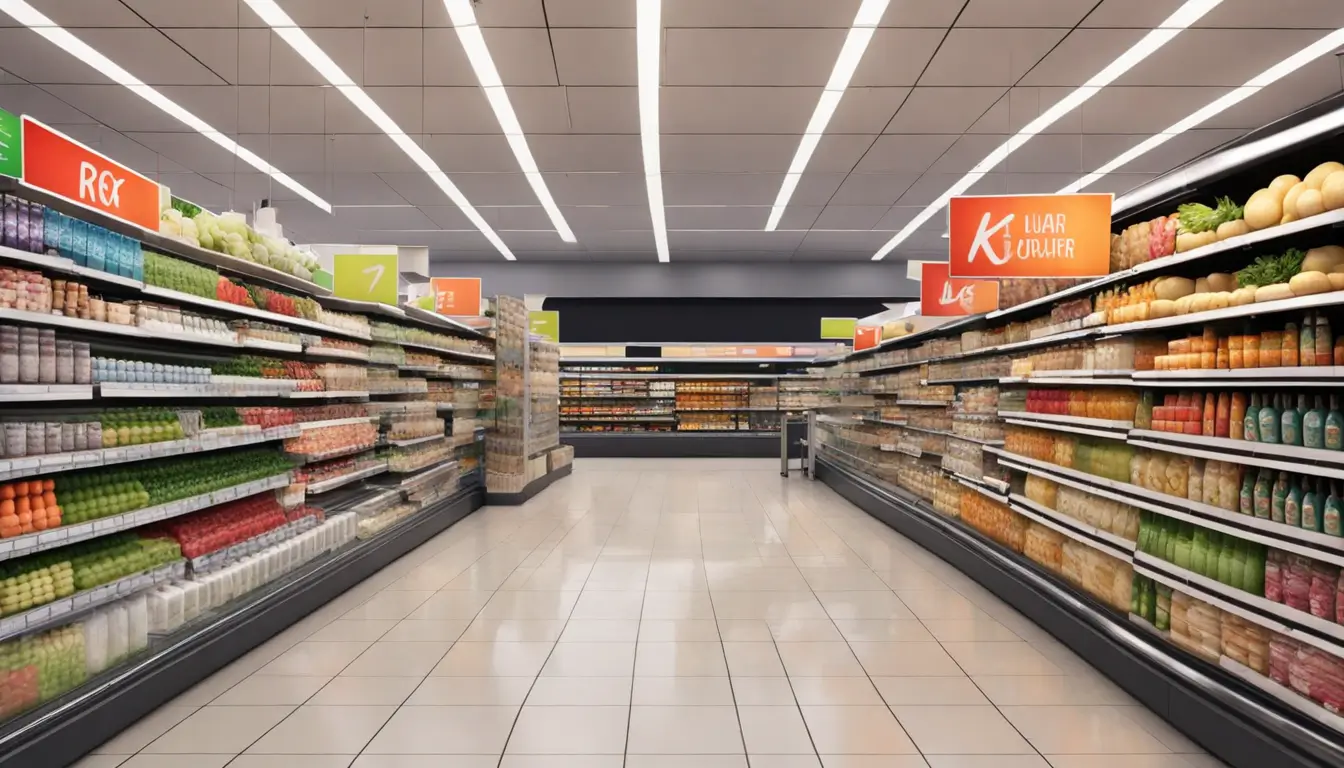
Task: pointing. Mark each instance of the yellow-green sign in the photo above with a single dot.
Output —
(11, 145)
(838, 327)
(366, 277)
(544, 323)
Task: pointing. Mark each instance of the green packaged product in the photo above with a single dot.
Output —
(1330, 519)
(1312, 507)
(1199, 551)
(1278, 497)
(1135, 589)
(1254, 576)
(1237, 572)
(1145, 530)
(1150, 602)
(1251, 422)
(1173, 537)
(1269, 421)
(1247, 500)
(1264, 491)
(1224, 575)
(1211, 561)
(1292, 506)
(1184, 536)
(1163, 618)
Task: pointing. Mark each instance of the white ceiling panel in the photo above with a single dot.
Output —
(1305, 86)
(818, 241)
(45, 104)
(989, 56)
(905, 153)
(1227, 57)
(383, 217)
(794, 57)
(538, 242)
(1255, 14)
(522, 56)
(597, 110)
(747, 240)
(354, 13)
(866, 110)
(638, 243)
(470, 153)
(173, 13)
(191, 150)
(83, 13)
(1127, 14)
(1081, 55)
(593, 56)
(1120, 183)
(540, 109)
(692, 109)
(850, 216)
(595, 188)
(591, 13)
(495, 188)
(590, 218)
(873, 188)
(349, 188)
(1021, 105)
(897, 217)
(560, 152)
(722, 217)
(29, 56)
(760, 13)
(726, 189)
(1024, 13)
(511, 13)
(1184, 147)
(895, 57)
(944, 109)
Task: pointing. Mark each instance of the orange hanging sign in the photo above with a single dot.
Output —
(866, 336)
(1030, 236)
(62, 166)
(456, 295)
(944, 296)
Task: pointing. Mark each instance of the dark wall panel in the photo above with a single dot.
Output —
(745, 320)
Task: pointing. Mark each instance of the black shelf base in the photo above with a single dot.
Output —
(529, 490)
(61, 737)
(682, 445)
(1231, 720)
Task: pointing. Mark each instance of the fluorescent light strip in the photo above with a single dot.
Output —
(856, 42)
(1253, 86)
(469, 33)
(648, 40)
(302, 44)
(30, 17)
(1189, 12)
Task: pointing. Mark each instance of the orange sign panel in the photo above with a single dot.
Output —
(64, 167)
(456, 295)
(943, 296)
(1030, 236)
(866, 336)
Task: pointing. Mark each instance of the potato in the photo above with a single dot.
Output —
(1233, 228)
(1164, 308)
(1281, 184)
(1273, 292)
(1307, 283)
(1323, 259)
(1290, 199)
(1310, 203)
(1332, 191)
(1222, 281)
(1320, 173)
(1336, 281)
(1263, 210)
(1242, 296)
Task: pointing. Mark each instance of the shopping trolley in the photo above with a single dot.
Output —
(805, 452)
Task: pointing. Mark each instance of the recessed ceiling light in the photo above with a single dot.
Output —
(648, 44)
(30, 17)
(1189, 12)
(469, 33)
(856, 42)
(1253, 86)
(302, 44)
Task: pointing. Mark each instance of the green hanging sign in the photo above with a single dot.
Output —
(11, 145)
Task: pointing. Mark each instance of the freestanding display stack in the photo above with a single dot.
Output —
(191, 446)
(519, 463)
(1148, 464)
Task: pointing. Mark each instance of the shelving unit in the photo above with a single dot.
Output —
(1112, 485)
(155, 417)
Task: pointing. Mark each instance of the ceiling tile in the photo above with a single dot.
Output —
(850, 216)
(760, 13)
(497, 188)
(599, 110)
(1254, 14)
(819, 240)
(1081, 55)
(596, 188)
(32, 58)
(172, 13)
(1226, 57)
(533, 242)
(722, 189)
(350, 188)
(873, 189)
(399, 217)
(989, 56)
(1121, 14)
(522, 56)
(589, 218)
(928, 188)
(504, 217)
(392, 56)
(866, 110)
(1120, 183)
(699, 109)
(719, 217)
(749, 240)
(793, 57)
(83, 13)
(355, 13)
(944, 110)
(558, 152)
(594, 13)
(514, 13)
(367, 153)
(694, 153)
(897, 217)
(1024, 13)
(51, 105)
(471, 153)
(594, 56)
(905, 153)
(895, 57)
(1315, 81)
(1180, 150)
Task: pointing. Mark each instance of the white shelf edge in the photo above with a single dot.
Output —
(1078, 530)
(1254, 449)
(1283, 693)
(1260, 462)
(1053, 427)
(338, 482)
(207, 441)
(1054, 418)
(19, 393)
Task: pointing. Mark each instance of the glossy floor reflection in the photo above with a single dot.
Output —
(660, 614)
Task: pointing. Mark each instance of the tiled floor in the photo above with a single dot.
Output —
(660, 614)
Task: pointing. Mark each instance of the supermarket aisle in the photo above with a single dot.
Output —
(652, 613)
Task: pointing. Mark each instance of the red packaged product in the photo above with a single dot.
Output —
(1297, 583)
(1324, 582)
(1274, 576)
(1282, 650)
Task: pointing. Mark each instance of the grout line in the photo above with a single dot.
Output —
(639, 626)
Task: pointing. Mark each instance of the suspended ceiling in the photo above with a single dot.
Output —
(942, 84)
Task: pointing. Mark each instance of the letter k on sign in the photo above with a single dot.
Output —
(981, 241)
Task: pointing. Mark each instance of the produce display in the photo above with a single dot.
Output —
(109, 370)
(222, 526)
(34, 228)
(333, 441)
(230, 234)
(1113, 405)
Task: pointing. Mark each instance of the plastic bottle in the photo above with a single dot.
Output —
(1312, 503)
(1251, 424)
(1292, 506)
(1330, 520)
(1246, 504)
(1306, 342)
(1269, 421)
(1334, 425)
(1278, 498)
(1313, 425)
(1264, 482)
(1237, 417)
(1290, 422)
(1324, 340)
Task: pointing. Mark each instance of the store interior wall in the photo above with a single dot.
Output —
(726, 280)
(743, 319)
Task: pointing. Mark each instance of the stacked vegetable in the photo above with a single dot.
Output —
(1200, 225)
(1289, 198)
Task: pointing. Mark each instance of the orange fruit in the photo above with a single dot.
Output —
(48, 485)
(7, 508)
(6, 491)
(37, 505)
(49, 499)
(21, 488)
(24, 506)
